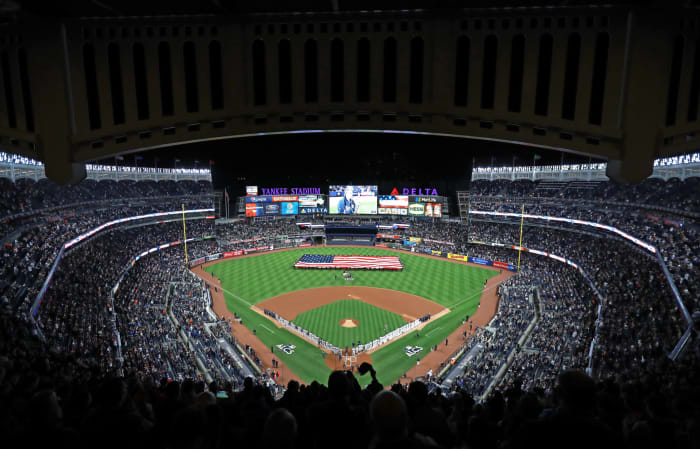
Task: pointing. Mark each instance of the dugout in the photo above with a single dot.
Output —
(345, 234)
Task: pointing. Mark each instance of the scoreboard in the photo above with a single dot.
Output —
(258, 206)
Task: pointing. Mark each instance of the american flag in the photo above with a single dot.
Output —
(349, 262)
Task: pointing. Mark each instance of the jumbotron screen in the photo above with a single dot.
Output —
(353, 200)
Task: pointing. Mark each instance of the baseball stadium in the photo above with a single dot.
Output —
(330, 224)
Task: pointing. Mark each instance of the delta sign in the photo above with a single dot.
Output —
(427, 191)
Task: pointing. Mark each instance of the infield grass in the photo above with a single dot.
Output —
(250, 280)
(324, 322)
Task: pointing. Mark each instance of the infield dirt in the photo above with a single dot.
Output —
(349, 322)
(407, 306)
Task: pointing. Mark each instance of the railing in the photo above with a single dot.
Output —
(37, 301)
(678, 166)
(81, 204)
(523, 338)
(32, 168)
(544, 200)
(680, 345)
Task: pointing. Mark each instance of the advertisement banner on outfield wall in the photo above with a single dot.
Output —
(259, 249)
(236, 242)
(388, 236)
(480, 261)
(436, 253)
(457, 257)
(195, 262)
(441, 242)
(233, 253)
(415, 239)
(213, 257)
(380, 245)
(507, 266)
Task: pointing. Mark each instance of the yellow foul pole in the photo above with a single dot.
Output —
(184, 233)
(522, 212)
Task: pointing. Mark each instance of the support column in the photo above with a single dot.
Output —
(49, 78)
(645, 97)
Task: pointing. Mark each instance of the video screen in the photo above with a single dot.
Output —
(425, 209)
(353, 200)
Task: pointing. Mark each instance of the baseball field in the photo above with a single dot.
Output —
(342, 312)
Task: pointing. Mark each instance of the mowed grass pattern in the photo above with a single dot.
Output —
(324, 321)
(267, 275)
(250, 280)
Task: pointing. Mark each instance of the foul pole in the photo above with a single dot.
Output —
(522, 212)
(184, 234)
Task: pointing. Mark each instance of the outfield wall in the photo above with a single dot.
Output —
(451, 256)
(243, 252)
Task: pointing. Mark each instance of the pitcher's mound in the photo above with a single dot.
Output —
(349, 322)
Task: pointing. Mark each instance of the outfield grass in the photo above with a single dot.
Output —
(250, 280)
(324, 322)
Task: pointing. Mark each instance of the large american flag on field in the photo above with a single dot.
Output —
(349, 262)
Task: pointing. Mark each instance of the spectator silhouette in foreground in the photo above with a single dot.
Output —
(389, 417)
(573, 423)
(280, 430)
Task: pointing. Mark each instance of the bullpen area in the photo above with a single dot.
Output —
(342, 311)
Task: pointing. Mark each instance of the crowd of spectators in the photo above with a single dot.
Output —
(279, 232)
(498, 340)
(48, 397)
(158, 320)
(26, 195)
(640, 322)
(26, 260)
(89, 272)
(676, 236)
(673, 194)
(191, 307)
(561, 338)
